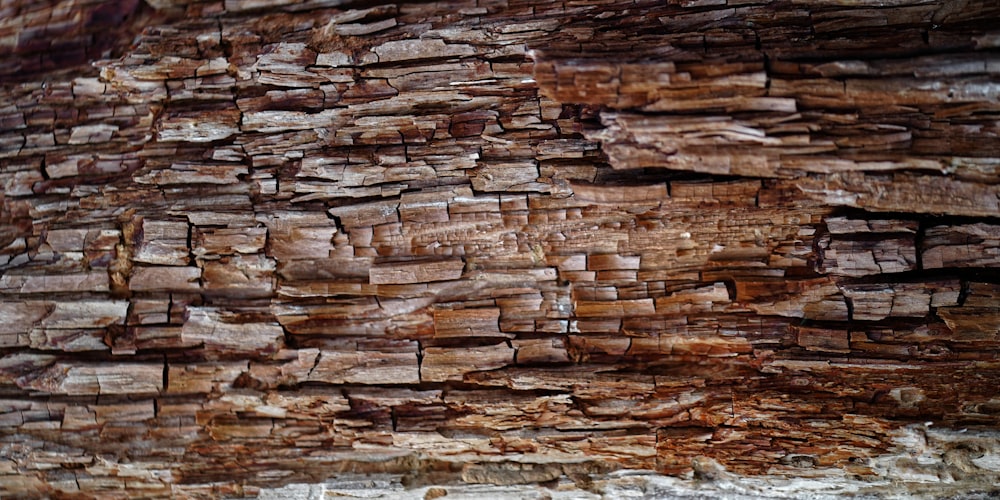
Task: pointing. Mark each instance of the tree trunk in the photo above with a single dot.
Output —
(499, 247)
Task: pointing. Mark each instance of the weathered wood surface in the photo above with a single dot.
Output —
(249, 243)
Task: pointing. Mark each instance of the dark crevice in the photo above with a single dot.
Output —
(166, 373)
(963, 293)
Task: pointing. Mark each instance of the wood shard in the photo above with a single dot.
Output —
(226, 331)
(415, 272)
(440, 364)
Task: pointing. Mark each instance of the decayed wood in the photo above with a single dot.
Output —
(498, 247)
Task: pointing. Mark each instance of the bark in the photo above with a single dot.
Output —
(499, 247)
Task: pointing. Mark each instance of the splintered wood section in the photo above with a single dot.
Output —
(247, 243)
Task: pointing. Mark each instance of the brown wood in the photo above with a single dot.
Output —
(499, 248)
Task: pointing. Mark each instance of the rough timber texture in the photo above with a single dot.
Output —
(499, 247)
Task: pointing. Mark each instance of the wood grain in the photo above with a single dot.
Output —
(509, 245)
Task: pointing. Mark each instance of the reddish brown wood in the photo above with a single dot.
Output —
(499, 247)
